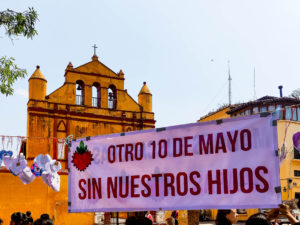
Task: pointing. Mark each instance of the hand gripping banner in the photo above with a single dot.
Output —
(230, 163)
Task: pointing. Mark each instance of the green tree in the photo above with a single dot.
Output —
(295, 93)
(15, 24)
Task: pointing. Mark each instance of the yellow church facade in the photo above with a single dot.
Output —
(92, 101)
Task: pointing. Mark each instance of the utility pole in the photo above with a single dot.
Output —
(254, 97)
(229, 81)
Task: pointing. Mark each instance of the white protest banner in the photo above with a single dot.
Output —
(211, 165)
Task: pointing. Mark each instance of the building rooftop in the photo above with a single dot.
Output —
(145, 89)
(38, 74)
(265, 100)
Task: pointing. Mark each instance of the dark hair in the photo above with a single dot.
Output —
(45, 216)
(29, 217)
(37, 222)
(143, 221)
(43, 220)
(19, 218)
(174, 214)
(258, 219)
(221, 217)
(1, 221)
(131, 220)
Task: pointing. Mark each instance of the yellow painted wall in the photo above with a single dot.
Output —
(221, 114)
(38, 198)
(289, 164)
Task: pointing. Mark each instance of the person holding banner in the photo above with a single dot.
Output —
(226, 217)
(285, 210)
(265, 219)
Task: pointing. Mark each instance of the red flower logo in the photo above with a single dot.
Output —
(82, 158)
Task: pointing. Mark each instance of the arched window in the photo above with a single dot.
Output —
(112, 97)
(96, 95)
(79, 92)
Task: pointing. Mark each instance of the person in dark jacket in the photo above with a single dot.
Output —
(226, 217)
(174, 214)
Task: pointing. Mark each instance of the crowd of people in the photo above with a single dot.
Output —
(148, 219)
(224, 217)
(229, 216)
(19, 218)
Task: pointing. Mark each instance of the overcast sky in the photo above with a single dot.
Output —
(180, 48)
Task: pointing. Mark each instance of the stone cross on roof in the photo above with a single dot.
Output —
(94, 46)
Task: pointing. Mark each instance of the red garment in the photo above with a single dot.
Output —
(149, 216)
